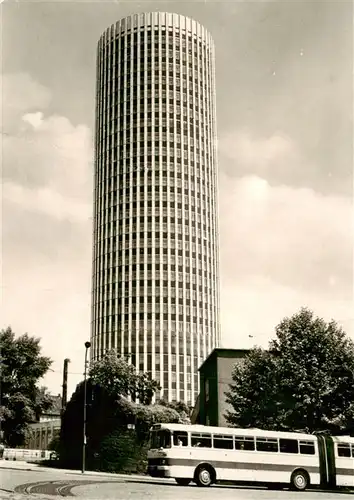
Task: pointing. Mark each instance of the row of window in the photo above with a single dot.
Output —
(113, 213)
(118, 318)
(183, 329)
(174, 244)
(159, 339)
(149, 238)
(158, 119)
(136, 297)
(111, 169)
(109, 244)
(117, 304)
(247, 443)
(165, 263)
(156, 299)
(144, 134)
(173, 83)
(202, 333)
(191, 278)
(124, 291)
(130, 183)
(105, 202)
(163, 44)
(159, 35)
(152, 82)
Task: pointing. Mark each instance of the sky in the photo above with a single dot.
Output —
(284, 115)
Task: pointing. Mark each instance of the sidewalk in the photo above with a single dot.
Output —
(20, 465)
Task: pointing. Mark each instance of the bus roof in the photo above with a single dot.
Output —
(343, 439)
(233, 431)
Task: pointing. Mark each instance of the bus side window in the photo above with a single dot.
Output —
(343, 450)
(223, 442)
(307, 447)
(289, 446)
(267, 444)
(201, 440)
(180, 439)
(244, 443)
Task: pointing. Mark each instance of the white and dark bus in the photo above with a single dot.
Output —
(207, 455)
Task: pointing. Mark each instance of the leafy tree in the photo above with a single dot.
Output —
(120, 378)
(304, 382)
(21, 400)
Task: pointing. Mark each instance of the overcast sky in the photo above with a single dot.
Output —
(284, 111)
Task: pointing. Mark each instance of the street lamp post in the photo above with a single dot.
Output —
(87, 347)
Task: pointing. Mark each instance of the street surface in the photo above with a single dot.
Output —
(50, 484)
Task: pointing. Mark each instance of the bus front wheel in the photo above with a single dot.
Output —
(182, 481)
(204, 475)
(299, 480)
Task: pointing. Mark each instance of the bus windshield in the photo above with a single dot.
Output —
(160, 439)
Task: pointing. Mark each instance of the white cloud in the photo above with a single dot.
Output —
(21, 93)
(48, 201)
(257, 153)
(34, 119)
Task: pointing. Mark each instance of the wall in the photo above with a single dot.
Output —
(224, 369)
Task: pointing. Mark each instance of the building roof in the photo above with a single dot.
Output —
(220, 352)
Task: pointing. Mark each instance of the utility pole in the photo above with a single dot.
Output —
(65, 385)
(87, 347)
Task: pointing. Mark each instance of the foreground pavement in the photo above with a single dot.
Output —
(25, 482)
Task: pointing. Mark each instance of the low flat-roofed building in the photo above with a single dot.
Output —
(40, 434)
(215, 376)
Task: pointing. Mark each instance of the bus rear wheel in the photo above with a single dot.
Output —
(204, 475)
(182, 481)
(299, 480)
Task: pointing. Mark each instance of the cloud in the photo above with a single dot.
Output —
(251, 153)
(21, 93)
(47, 160)
(34, 119)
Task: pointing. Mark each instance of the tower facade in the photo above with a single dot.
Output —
(155, 285)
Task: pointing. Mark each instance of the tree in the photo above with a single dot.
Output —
(21, 400)
(120, 378)
(112, 387)
(304, 382)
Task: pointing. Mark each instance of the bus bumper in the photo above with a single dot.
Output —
(158, 471)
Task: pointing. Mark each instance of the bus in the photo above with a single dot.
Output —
(207, 455)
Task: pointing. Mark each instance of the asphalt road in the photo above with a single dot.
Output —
(51, 484)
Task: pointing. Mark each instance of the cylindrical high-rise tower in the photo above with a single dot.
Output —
(155, 294)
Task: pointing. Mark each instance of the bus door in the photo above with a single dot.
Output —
(327, 462)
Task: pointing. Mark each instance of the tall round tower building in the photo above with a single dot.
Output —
(155, 284)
